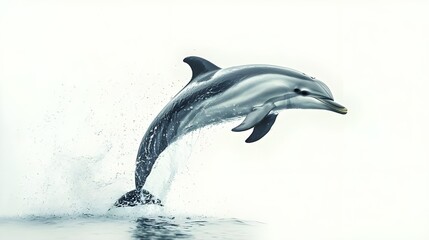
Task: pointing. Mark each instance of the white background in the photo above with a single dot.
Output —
(81, 81)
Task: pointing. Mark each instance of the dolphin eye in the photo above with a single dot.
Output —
(304, 93)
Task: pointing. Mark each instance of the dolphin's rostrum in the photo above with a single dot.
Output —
(256, 92)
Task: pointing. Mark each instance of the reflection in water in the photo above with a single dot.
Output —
(159, 228)
(166, 228)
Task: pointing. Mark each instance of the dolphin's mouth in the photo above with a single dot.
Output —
(333, 106)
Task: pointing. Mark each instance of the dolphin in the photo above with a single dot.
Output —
(214, 95)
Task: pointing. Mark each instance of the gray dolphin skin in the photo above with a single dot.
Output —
(215, 95)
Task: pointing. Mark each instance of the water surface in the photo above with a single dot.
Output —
(108, 227)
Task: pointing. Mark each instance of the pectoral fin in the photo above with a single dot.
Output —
(262, 128)
(254, 117)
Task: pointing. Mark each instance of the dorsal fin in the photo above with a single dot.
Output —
(199, 66)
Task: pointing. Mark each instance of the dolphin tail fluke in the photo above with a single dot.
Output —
(135, 197)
